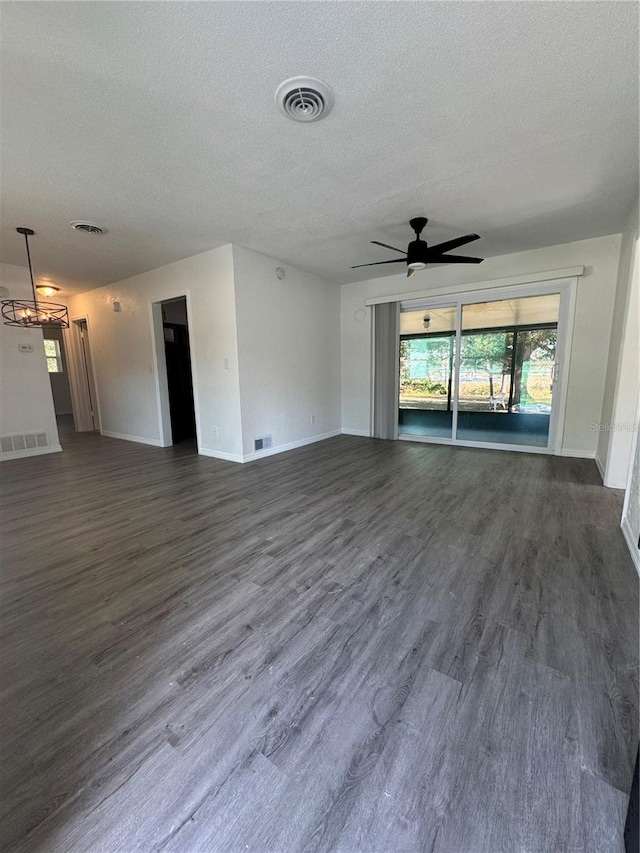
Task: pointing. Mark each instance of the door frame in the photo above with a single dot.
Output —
(567, 288)
(160, 366)
(78, 380)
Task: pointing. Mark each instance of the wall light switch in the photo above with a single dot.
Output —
(25, 347)
(226, 364)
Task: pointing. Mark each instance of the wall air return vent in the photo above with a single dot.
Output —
(262, 443)
(23, 441)
(304, 99)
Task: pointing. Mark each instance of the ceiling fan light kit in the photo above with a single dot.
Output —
(33, 313)
(419, 253)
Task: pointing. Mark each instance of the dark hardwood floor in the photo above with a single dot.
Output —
(356, 646)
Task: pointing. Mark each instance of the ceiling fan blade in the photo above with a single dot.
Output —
(387, 246)
(453, 259)
(377, 263)
(453, 244)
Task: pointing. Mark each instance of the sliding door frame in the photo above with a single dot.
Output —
(566, 288)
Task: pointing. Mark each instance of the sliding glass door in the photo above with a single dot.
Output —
(507, 364)
(482, 372)
(427, 348)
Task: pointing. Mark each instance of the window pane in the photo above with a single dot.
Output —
(52, 365)
(425, 372)
(485, 368)
(50, 348)
(534, 370)
(506, 370)
(431, 320)
(507, 313)
(426, 364)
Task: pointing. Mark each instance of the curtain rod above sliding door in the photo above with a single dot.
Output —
(507, 281)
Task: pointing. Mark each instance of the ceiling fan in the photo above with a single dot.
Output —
(419, 254)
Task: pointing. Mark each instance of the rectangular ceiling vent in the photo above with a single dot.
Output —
(262, 443)
(25, 441)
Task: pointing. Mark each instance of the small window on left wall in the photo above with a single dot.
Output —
(54, 358)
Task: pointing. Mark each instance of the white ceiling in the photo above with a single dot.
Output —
(156, 120)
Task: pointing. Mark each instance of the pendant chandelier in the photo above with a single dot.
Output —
(33, 313)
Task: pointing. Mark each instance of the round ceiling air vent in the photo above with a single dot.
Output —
(87, 227)
(304, 98)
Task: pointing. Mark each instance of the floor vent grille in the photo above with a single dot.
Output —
(23, 441)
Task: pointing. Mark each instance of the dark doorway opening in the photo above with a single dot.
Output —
(178, 360)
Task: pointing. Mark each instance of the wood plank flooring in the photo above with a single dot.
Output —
(355, 646)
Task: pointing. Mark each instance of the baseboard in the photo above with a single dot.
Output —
(292, 445)
(632, 545)
(601, 468)
(34, 451)
(139, 439)
(220, 454)
(229, 457)
(578, 454)
(363, 433)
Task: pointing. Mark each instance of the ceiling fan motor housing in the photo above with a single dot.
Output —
(417, 252)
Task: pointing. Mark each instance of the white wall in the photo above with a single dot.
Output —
(594, 310)
(26, 403)
(122, 350)
(289, 352)
(266, 353)
(623, 367)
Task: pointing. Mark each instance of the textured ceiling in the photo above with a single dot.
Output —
(156, 120)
